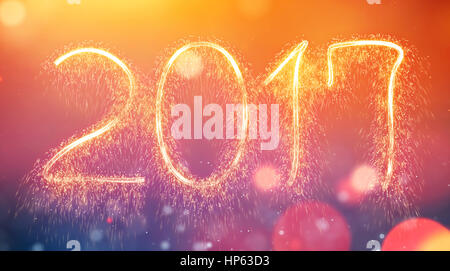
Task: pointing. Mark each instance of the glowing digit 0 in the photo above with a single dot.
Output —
(214, 178)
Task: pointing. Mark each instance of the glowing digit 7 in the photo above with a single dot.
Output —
(108, 126)
(391, 135)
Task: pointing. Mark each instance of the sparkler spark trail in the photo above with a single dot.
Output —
(213, 179)
(46, 169)
(299, 51)
(73, 194)
(391, 134)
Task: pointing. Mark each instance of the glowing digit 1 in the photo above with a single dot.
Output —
(299, 51)
(390, 109)
(46, 170)
(213, 179)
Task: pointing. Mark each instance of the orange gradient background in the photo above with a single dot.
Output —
(142, 31)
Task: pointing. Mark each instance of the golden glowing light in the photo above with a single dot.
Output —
(108, 126)
(417, 234)
(363, 179)
(12, 12)
(189, 65)
(266, 178)
(358, 185)
(299, 51)
(214, 179)
(390, 99)
(439, 241)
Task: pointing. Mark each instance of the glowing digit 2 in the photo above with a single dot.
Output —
(46, 169)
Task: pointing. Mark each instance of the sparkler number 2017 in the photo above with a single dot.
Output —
(295, 155)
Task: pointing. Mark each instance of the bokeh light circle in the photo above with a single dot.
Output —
(12, 12)
(266, 178)
(361, 182)
(417, 234)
